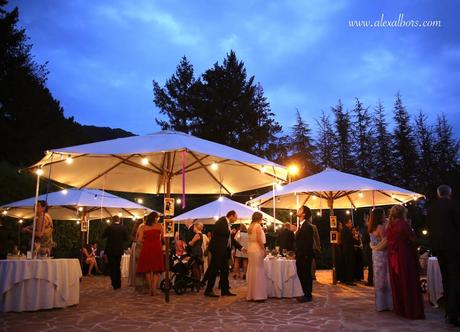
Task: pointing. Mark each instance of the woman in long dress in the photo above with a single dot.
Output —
(257, 282)
(133, 258)
(404, 266)
(378, 243)
(151, 259)
(241, 258)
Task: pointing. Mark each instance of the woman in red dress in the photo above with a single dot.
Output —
(404, 266)
(151, 256)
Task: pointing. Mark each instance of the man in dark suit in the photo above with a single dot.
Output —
(348, 252)
(304, 252)
(286, 238)
(220, 248)
(444, 222)
(116, 235)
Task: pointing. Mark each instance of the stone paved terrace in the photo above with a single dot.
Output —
(335, 308)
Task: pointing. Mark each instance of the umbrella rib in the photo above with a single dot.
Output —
(258, 170)
(133, 164)
(150, 163)
(132, 215)
(52, 162)
(209, 173)
(306, 199)
(194, 169)
(160, 180)
(106, 171)
(186, 169)
(108, 212)
(396, 199)
(351, 202)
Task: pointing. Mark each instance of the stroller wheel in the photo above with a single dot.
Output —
(163, 285)
(180, 287)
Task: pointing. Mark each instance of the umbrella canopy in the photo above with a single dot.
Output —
(144, 164)
(209, 213)
(333, 189)
(71, 204)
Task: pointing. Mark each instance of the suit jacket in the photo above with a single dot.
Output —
(444, 224)
(219, 241)
(304, 241)
(116, 235)
(347, 241)
(286, 239)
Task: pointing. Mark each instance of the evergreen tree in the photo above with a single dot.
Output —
(363, 140)
(175, 99)
(404, 148)
(326, 143)
(446, 149)
(301, 146)
(426, 178)
(382, 158)
(343, 135)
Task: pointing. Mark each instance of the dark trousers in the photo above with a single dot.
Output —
(303, 265)
(115, 270)
(449, 264)
(218, 263)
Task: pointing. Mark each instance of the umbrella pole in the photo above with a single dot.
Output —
(167, 195)
(334, 245)
(37, 189)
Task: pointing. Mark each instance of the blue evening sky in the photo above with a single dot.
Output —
(103, 55)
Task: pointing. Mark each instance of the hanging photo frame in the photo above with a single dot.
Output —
(334, 237)
(333, 221)
(169, 206)
(168, 228)
(84, 225)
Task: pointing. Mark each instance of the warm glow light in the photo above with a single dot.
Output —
(220, 199)
(263, 169)
(4, 212)
(80, 208)
(120, 214)
(78, 222)
(347, 212)
(214, 166)
(64, 192)
(269, 223)
(39, 172)
(424, 232)
(178, 201)
(140, 200)
(21, 221)
(414, 197)
(250, 197)
(108, 221)
(291, 213)
(216, 217)
(360, 195)
(318, 214)
(279, 187)
(293, 169)
(145, 161)
(314, 198)
(69, 160)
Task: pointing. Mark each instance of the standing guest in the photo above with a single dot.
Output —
(43, 230)
(116, 235)
(90, 259)
(304, 252)
(220, 247)
(367, 253)
(189, 234)
(206, 255)
(404, 266)
(339, 261)
(139, 278)
(444, 221)
(257, 282)
(286, 238)
(151, 259)
(359, 268)
(316, 248)
(196, 245)
(378, 242)
(241, 258)
(132, 257)
(348, 253)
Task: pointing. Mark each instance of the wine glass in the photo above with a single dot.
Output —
(284, 252)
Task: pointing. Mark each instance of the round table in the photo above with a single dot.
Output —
(435, 290)
(30, 285)
(282, 279)
(124, 265)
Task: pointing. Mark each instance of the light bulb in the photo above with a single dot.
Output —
(318, 214)
(140, 200)
(80, 208)
(4, 212)
(178, 201)
(120, 214)
(21, 221)
(145, 161)
(78, 222)
(291, 213)
(360, 195)
(69, 160)
(220, 199)
(64, 192)
(108, 221)
(347, 212)
(214, 166)
(39, 172)
(263, 169)
(424, 232)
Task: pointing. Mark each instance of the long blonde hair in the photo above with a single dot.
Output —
(397, 212)
(255, 219)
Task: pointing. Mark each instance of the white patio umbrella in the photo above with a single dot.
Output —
(164, 162)
(209, 213)
(332, 189)
(78, 204)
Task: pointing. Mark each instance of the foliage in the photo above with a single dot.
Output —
(363, 141)
(343, 138)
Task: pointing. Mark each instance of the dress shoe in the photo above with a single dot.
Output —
(210, 294)
(227, 294)
(304, 299)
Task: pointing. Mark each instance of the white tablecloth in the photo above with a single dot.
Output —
(29, 285)
(435, 291)
(124, 265)
(282, 279)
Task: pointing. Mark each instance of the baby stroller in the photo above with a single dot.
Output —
(423, 255)
(181, 278)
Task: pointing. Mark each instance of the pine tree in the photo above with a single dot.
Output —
(383, 156)
(326, 143)
(426, 177)
(301, 147)
(343, 136)
(446, 148)
(363, 140)
(404, 148)
(175, 99)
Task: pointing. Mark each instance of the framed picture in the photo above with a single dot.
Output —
(333, 221)
(169, 206)
(334, 238)
(84, 225)
(168, 228)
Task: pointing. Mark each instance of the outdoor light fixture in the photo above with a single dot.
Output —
(263, 169)
(314, 198)
(39, 172)
(214, 166)
(293, 169)
(4, 212)
(140, 200)
(80, 208)
(64, 192)
(21, 221)
(108, 221)
(78, 222)
(178, 201)
(120, 214)
(279, 187)
(291, 213)
(145, 161)
(347, 212)
(425, 232)
(220, 199)
(69, 160)
(318, 214)
(360, 195)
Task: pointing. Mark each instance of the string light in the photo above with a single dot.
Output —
(214, 166)
(347, 212)
(21, 221)
(263, 169)
(425, 232)
(120, 214)
(360, 195)
(293, 169)
(291, 213)
(318, 214)
(39, 172)
(64, 192)
(69, 160)
(108, 221)
(80, 208)
(4, 212)
(140, 200)
(178, 201)
(279, 187)
(220, 199)
(145, 161)
(78, 222)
